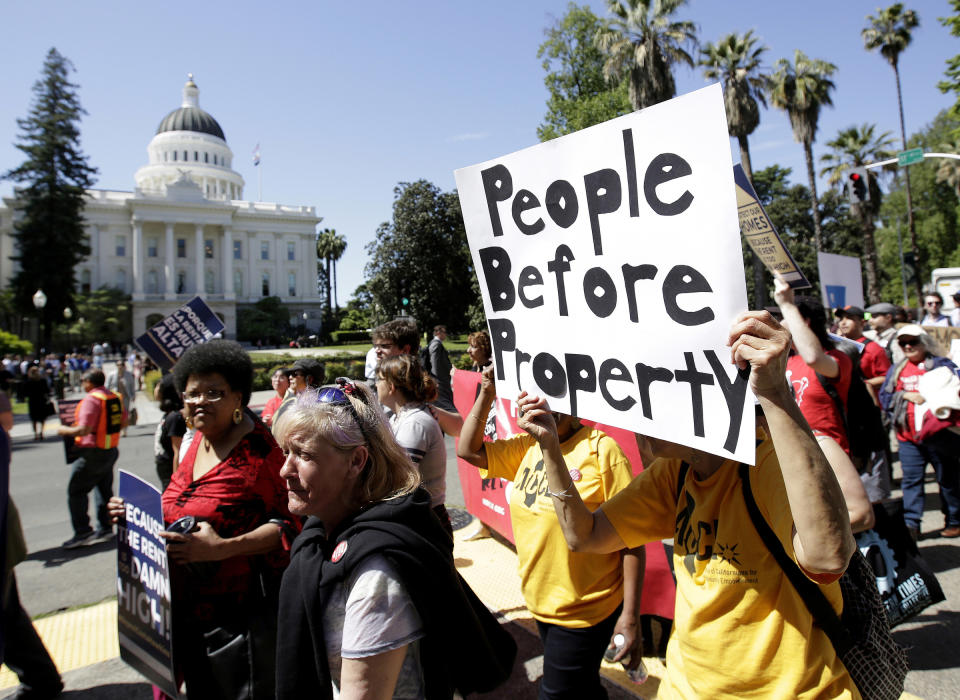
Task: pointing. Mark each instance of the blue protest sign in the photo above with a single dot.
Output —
(191, 324)
(144, 615)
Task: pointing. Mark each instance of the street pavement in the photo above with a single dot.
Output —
(55, 582)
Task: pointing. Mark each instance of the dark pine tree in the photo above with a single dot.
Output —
(51, 182)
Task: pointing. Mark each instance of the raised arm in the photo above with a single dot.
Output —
(804, 339)
(471, 448)
(584, 530)
(822, 539)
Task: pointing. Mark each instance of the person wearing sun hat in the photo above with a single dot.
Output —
(901, 399)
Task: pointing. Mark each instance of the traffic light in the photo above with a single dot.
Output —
(857, 186)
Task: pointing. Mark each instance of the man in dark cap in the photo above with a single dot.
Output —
(883, 329)
(874, 362)
(305, 372)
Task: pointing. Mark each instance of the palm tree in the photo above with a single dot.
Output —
(325, 244)
(642, 43)
(735, 61)
(801, 89)
(889, 31)
(949, 169)
(338, 245)
(855, 147)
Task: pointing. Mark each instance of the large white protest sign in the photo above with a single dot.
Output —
(610, 266)
(841, 280)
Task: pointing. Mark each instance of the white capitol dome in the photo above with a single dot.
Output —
(190, 146)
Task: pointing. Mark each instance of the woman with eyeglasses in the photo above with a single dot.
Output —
(901, 399)
(225, 573)
(404, 388)
(371, 603)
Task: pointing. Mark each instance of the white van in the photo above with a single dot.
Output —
(946, 280)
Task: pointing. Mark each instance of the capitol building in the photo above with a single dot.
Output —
(186, 230)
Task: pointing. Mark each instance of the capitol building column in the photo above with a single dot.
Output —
(227, 252)
(137, 259)
(198, 254)
(169, 275)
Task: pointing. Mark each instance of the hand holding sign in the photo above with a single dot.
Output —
(203, 544)
(534, 417)
(759, 342)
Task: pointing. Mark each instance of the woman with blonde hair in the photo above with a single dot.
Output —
(371, 599)
(404, 388)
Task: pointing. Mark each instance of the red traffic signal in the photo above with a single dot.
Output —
(857, 186)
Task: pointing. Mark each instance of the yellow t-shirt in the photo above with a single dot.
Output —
(740, 628)
(569, 589)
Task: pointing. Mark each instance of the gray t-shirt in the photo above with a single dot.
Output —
(419, 434)
(369, 614)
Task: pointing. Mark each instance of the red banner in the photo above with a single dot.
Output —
(488, 499)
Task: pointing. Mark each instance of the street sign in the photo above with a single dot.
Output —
(909, 157)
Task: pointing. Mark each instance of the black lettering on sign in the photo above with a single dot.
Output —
(503, 338)
(613, 370)
(529, 277)
(525, 200)
(496, 273)
(549, 375)
(497, 186)
(562, 205)
(696, 379)
(603, 197)
(683, 279)
(558, 266)
(581, 376)
(599, 292)
(662, 169)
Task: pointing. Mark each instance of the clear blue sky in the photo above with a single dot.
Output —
(349, 99)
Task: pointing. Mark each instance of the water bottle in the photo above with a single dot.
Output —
(639, 674)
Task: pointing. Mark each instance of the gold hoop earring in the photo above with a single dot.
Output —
(237, 416)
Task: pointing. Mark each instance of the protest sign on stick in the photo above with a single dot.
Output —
(66, 410)
(611, 270)
(144, 615)
(759, 233)
(191, 324)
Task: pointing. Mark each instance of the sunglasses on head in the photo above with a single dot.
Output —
(339, 395)
(908, 342)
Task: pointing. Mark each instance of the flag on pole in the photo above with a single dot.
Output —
(256, 155)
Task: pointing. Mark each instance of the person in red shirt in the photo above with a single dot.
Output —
(874, 362)
(96, 431)
(814, 354)
(280, 384)
(901, 399)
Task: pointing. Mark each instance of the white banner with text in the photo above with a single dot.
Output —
(611, 270)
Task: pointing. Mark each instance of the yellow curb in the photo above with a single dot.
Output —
(76, 638)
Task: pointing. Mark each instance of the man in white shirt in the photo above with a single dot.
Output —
(932, 303)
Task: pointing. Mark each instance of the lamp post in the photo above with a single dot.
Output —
(39, 301)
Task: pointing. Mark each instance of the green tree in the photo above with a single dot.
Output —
(267, 320)
(789, 208)
(52, 182)
(889, 31)
(103, 314)
(855, 147)
(580, 95)
(422, 255)
(801, 89)
(952, 84)
(642, 43)
(935, 214)
(735, 61)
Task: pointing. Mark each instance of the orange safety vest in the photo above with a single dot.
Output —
(110, 422)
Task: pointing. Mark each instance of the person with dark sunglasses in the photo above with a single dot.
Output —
(372, 598)
(932, 305)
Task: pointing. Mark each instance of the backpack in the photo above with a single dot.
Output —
(862, 419)
(861, 634)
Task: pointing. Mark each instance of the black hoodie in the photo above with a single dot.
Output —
(464, 647)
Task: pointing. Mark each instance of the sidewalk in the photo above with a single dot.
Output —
(83, 641)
